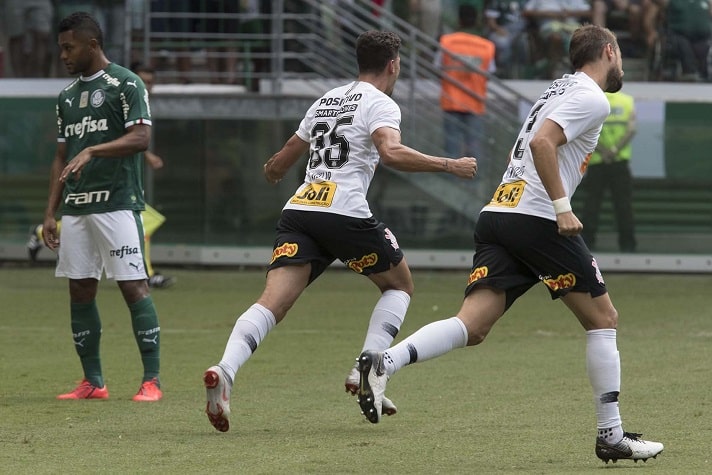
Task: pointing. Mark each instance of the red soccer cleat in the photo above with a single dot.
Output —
(149, 392)
(86, 390)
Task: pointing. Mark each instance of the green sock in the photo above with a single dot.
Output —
(86, 332)
(144, 320)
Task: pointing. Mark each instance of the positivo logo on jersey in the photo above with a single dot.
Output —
(87, 197)
(87, 125)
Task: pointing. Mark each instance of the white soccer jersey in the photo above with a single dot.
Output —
(579, 106)
(342, 156)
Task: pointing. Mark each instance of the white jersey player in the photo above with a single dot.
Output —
(528, 234)
(347, 133)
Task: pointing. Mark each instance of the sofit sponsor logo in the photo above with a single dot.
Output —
(358, 265)
(477, 274)
(565, 281)
(316, 194)
(288, 249)
(87, 125)
(123, 251)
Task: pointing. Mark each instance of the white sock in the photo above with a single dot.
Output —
(604, 372)
(432, 340)
(249, 331)
(386, 320)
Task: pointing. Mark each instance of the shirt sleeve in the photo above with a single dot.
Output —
(384, 112)
(135, 102)
(60, 121)
(580, 112)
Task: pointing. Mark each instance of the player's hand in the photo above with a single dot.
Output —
(75, 165)
(464, 167)
(569, 224)
(50, 236)
(154, 161)
(270, 174)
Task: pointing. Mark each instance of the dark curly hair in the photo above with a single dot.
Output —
(83, 23)
(374, 49)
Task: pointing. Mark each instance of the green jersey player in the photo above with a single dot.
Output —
(103, 121)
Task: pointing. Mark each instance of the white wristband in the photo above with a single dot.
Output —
(562, 205)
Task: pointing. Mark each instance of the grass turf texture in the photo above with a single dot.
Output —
(519, 403)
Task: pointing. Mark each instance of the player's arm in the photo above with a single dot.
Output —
(544, 146)
(135, 140)
(279, 164)
(49, 226)
(401, 157)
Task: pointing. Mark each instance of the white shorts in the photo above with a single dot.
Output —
(110, 242)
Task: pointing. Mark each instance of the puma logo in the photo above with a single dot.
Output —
(135, 266)
(153, 340)
(69, 101)
(132, 84)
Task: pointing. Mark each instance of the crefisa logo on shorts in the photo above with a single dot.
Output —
(123, 251)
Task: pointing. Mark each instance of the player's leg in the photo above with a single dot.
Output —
(479, 312)
(283, 287)
(599, 318)
(296, 261)
(80, 261)
(121, 240)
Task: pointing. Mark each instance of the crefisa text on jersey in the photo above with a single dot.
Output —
(86, 125)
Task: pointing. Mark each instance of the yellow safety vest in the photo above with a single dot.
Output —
(616, 126)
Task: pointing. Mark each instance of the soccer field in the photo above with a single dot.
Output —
(519, 403)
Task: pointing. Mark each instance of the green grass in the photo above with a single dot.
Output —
(520, 402)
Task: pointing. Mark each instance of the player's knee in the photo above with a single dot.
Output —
(476, 338)
(610, 317)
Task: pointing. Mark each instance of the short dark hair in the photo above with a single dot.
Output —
(84, 23)
(587, 43)
(374, 49)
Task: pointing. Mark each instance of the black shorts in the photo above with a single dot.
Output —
(515, 251)
(364, 245)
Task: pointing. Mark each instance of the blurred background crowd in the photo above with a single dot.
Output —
(206, 40)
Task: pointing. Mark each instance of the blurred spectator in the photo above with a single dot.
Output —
(222, 58)
(555, 22)
(506, 28)
(28, 24)
(609, 168)
(426, 16)
(466, 59)
(174, 31)
(625, 17)
(687, 31)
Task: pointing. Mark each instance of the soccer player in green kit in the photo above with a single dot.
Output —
(103, 121)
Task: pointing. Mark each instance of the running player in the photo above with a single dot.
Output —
(346, 133)
(528, 234)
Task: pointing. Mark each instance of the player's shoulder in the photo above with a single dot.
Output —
(120, 76)
(69, 88)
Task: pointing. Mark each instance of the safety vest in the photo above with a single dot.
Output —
(616, 126)
(478, 53)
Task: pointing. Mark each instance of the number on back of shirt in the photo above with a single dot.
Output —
(330, 147)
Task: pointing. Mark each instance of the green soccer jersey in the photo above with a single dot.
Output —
(99, 109)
